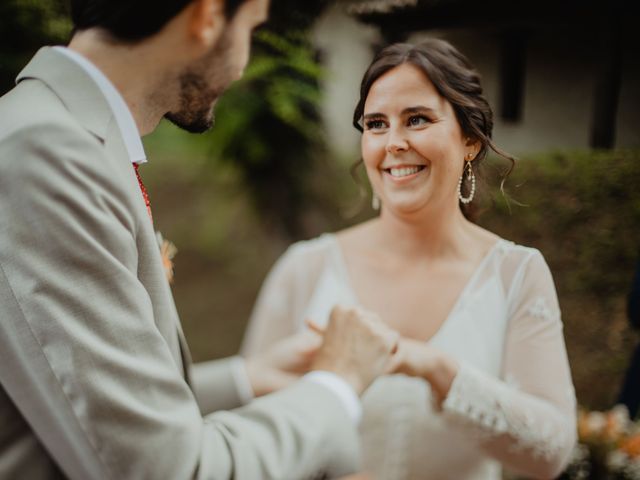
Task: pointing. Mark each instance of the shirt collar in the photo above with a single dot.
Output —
(121, 113)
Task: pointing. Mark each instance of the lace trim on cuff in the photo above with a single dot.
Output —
(480, 402)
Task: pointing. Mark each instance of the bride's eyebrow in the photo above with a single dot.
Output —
(407, 111)
(418, 109)
(370, 116)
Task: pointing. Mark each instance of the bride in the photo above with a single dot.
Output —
(488, 383)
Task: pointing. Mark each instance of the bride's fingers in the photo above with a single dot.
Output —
(393, 365)
(314, 327)
(397, 360)
(396, 345)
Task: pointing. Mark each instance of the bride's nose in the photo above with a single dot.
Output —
(396, 142)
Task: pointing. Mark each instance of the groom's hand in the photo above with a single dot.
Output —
(357, 346)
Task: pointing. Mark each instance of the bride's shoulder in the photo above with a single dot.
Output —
(512, 254)
(517, 260)
(313, 249)
(326, 246)
(505, 245)
(518, 250)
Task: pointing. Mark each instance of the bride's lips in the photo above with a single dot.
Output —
(403, 173)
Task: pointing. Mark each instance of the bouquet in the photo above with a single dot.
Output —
(608, 447)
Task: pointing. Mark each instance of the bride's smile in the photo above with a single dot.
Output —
(404, 172)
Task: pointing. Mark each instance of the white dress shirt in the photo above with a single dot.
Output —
(135, 149)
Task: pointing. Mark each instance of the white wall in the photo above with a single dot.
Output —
(346, 49)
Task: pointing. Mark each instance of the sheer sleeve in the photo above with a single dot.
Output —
(282, 298)
(527, 419)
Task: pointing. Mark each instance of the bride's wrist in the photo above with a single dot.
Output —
(440, 372)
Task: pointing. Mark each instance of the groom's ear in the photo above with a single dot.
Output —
(206, 20)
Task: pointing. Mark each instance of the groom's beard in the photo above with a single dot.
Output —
(200, 87)
(197, 99)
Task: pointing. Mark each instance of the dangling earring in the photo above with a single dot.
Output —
(375, 201)
(468, 171)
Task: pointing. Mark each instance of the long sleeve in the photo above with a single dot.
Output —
(280, 302)
(84, 357)
(208, 380)
(527, 419)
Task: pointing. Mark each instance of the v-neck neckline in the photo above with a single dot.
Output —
(341, 265)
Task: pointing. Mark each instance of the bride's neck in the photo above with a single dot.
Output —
(434, 236)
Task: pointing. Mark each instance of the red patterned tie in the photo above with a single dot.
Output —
(145, 195)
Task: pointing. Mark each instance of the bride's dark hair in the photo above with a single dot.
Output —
(455, 79)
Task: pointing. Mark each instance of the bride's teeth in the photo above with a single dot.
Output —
(404, 171)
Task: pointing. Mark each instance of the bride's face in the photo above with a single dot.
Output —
(412, 146)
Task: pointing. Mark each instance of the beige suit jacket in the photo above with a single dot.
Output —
(92, 365)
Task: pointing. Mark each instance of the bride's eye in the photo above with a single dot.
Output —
(417, 120)
(375, 124)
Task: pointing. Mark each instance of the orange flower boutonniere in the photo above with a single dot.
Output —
(167, 251)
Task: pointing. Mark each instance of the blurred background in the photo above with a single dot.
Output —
(564, 82)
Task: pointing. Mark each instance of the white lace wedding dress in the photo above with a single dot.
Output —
(512, 402)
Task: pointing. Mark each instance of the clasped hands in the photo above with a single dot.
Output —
(357, 346)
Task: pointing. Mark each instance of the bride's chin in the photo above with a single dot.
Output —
(405, 209)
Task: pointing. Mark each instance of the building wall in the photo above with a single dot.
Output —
(346, 50)
(561, 69)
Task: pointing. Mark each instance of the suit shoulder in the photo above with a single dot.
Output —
(47, 147)
(36, 128)
(33, 114)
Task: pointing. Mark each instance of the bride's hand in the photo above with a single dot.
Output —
(419, 359)
(282, 363)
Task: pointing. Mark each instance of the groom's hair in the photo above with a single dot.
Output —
(132, 20)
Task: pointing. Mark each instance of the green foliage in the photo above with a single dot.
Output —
(30, 23)
(269, 125)
(269, 128)
(583, 210)
(25, 26)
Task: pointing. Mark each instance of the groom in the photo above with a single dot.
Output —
(95, 377)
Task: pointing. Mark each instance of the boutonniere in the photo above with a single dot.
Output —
(167, 251)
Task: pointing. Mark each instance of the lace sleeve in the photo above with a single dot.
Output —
(527, 420)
